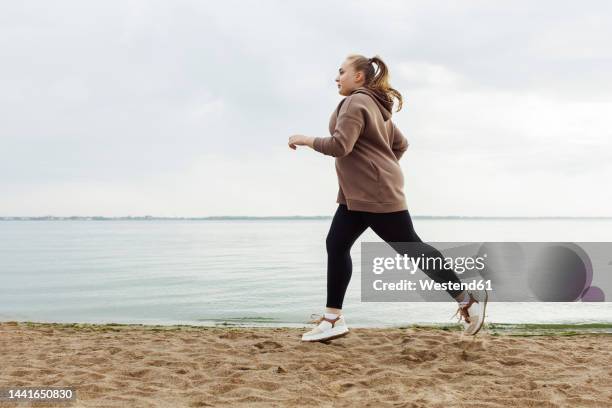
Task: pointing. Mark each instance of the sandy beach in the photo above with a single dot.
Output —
(186, 366)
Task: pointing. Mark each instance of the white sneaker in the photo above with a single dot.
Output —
(326, 329)
(473, 314)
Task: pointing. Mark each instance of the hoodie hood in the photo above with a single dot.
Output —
(385, 105)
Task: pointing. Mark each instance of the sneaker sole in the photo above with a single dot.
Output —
(482, 315)
(333, 336)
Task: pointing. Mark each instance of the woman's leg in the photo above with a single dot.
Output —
(345, 228)
(396, 227)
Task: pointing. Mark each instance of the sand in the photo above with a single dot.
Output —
(144, 366)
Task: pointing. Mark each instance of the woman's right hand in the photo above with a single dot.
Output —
(299, 140)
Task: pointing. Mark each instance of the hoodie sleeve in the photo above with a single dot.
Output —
(400, 143)
(349, 124)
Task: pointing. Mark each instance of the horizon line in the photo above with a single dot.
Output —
(270, 217)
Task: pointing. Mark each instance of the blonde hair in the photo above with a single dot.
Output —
(376, 79)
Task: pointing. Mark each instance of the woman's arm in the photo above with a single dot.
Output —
(301, 140)
(349, 123)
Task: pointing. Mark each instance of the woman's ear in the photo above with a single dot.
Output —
(359, 76)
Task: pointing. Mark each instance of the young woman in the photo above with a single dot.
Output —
(367, 146)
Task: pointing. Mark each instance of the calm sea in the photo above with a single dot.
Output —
(253, 272)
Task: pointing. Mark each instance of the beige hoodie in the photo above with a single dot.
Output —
(367, 146)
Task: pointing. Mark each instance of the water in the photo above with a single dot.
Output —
(245, 272)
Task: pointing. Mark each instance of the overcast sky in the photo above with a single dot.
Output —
(184, 108)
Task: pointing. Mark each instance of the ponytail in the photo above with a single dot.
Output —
(376, 76)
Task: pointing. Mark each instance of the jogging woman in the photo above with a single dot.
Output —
(367, 146)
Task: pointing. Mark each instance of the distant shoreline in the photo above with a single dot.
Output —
(279, 218)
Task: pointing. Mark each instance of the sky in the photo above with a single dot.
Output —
(184, 108)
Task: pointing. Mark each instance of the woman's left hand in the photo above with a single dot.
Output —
(299, 140)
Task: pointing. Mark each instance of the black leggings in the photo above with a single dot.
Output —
(394, 227)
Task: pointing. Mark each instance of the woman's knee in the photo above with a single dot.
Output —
(414, 238)
(335, 245)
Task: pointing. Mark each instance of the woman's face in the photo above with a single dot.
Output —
(347, 79)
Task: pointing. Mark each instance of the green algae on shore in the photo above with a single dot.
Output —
(494, 329)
